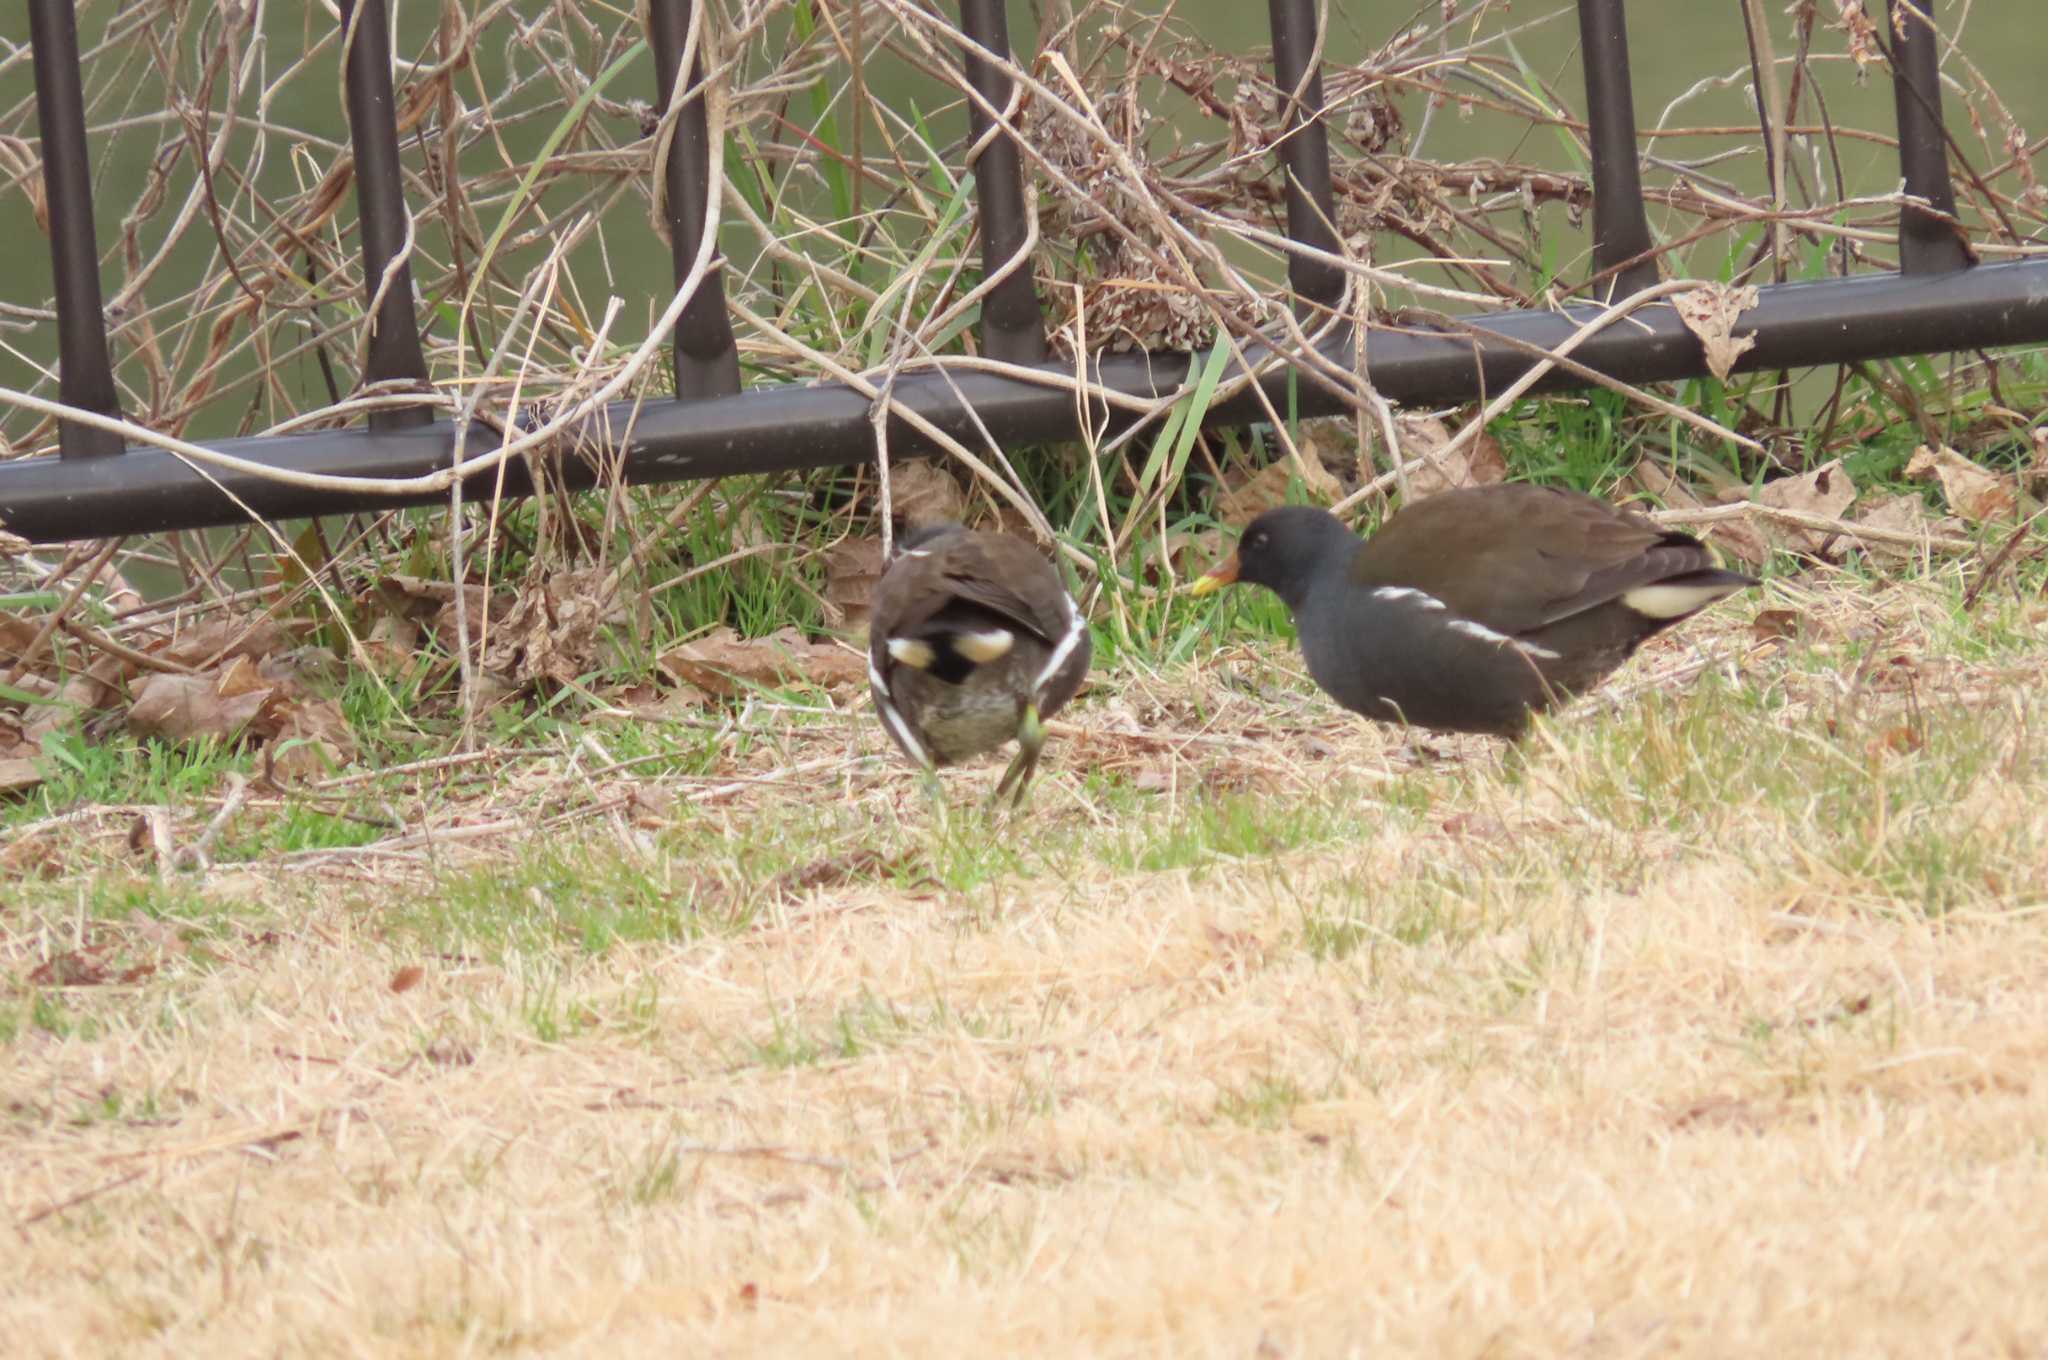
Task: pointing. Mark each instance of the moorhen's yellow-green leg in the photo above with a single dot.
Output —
(1030, 741)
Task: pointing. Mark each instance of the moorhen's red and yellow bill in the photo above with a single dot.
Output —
(1474, 609)
(972, 643)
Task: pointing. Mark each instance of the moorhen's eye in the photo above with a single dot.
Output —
(1259, 539)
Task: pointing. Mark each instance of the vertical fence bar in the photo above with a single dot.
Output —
(1621, 229)
(1012, 329)
(1304, 152)
(707, 359)
(1927, 244)
(85, 374)
(394, 350)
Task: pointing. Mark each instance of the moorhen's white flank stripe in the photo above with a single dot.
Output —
(1485, 634)
(1421, 598)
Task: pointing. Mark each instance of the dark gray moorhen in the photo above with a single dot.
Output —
(1474, 609)
(973, 642)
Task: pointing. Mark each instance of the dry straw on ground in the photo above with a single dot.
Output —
(1709, 1023)
(1503, 1060)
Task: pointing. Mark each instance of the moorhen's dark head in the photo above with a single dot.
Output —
(1282, 550)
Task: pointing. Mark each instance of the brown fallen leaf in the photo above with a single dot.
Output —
(1827, 490)
(71, 699)
(862, 865)
(1905, 514)
(1194, 551)
(407, 978)
(309, 738)
(1718, 1112)
(1739, 538)
(32, 856)
(187, 708)
(552, 633)
(220, 639)
(72, 968)
(392, 644)
(18, 776)
(1777, 623)
(1479, 462)
(922, 492)
(852, 568)
(1710, 312)
(1267, 488)
(724, 663)
(1970, 491)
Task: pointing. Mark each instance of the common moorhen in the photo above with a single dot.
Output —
(1473, 609)
(973, 641)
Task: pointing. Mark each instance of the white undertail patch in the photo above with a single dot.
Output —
(982, 648)
(1422, 599)
(914, 652)
(1076, 630)
(1674, 601)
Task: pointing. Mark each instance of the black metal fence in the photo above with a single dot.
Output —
(99, 486)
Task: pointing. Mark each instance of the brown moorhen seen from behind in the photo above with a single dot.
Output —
(973, 642)
(1474, 609)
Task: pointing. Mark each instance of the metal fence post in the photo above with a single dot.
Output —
(85, 373)
(393, 353)
(707, 360)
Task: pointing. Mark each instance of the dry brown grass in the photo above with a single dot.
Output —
(1503, 1059)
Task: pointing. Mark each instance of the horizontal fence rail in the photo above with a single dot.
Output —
(100, 486)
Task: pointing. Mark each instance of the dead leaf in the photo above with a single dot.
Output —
(1739, 538)
(187, 707)
(1710, 312)
(1153, 778)
(1268, 487)
(1777, 623)
(1331, 443)
(75, 696)
(1194, 551)
(1719, 1111)
(72, 968)
(1001, 517)
(309, 739)
(407, 978)
(30, 857)
(1478, 462)
(724, 663)
(219, 639)
(18, 776)
(1970, 491)
(392, 644)
(834, 871)
(1905, 514)
(922, 492)
(1474, 824)
(853, 566)
(552, 630)
(1236, 943)
(1826, 491)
